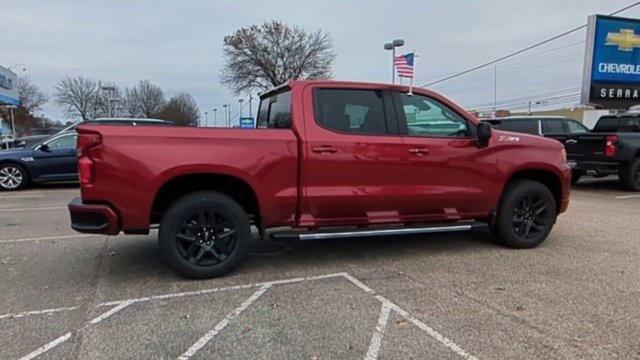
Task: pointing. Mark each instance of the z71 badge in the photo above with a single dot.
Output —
(509, 138)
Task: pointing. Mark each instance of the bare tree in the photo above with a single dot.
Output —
(31, 97)
(267, 55)
(78, 96)
(181, 109)
(144, 100)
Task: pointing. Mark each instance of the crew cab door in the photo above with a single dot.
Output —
(445, 170)
(56, 158)
(352, 168)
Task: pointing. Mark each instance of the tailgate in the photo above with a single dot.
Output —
(586, 147)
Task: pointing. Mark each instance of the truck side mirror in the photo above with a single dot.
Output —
(484, 134)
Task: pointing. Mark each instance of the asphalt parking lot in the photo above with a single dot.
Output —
(71, 296)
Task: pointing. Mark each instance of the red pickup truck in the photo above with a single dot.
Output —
(328, 159)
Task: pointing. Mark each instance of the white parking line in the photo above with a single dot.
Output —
(222, 324)
(62, 237)
(376, 339)
(37, 312)
(33, 209)
(111, 312)
(43, 349)
(627, 197)
(372, 353)
(33, 196)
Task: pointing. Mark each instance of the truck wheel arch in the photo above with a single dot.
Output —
(546, 177)
(178, 186)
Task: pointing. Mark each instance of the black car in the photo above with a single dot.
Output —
(50, 160)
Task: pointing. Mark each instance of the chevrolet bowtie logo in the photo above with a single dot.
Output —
(625, 40)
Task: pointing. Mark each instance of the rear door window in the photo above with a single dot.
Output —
(576, 127)
(275, 111)
(351, 111)
(607, 124)
(553, 126)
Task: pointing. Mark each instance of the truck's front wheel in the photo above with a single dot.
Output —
(526, 214)
(204, 234)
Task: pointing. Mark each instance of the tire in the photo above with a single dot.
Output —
(13, 177)
(575, 177)
(630, 177)
(526, 214)
(204, 234)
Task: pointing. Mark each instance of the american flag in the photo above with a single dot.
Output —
(404, 64)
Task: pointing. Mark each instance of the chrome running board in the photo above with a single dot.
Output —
(355, 233)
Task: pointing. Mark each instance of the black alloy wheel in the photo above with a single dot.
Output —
(530, 216)
(206, 238)
(204, 234)
(526, 214)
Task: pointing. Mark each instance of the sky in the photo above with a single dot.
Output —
(178, 44)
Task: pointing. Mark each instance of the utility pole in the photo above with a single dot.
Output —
(110, 90)
(495, 87)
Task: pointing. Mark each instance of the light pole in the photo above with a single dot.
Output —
(392, 46)
(110, 90)
(215, 120)
(534, 103)
(225, 112)
(250, 101)
(240, 117)
(206, 118)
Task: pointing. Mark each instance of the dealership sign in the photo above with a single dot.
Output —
(8, 90)
(247, 123)
(611, 77)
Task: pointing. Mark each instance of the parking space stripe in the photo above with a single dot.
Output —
(227, 288)
(62, 237)
(627, 197)
(111, 312)
(33, 209)
(222, 324)
(33, 196)
(430, 331)
(41, 350)
(37, 312)
(374, 348)
(376, 339)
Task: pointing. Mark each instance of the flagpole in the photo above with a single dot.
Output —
(414, 74)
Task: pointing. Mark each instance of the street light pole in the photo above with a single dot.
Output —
(250, 101)
(240, 117)
(110, 90)
(215, 120)
(225, 112)
(206, 118)
(392, 46)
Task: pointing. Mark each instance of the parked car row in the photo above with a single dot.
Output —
(611, 148)
(51, 158)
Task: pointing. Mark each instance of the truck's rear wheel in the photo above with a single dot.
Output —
(204, 234)
(526, 214)
(630, 177)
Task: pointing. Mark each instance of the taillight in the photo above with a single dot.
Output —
(86, 165)
(86, 170)
(611, 148)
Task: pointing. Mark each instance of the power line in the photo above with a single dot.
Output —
(524, 49)
(528, 97)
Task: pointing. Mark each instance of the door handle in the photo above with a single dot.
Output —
(324, 149)
(419, 151)
(571, 142)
